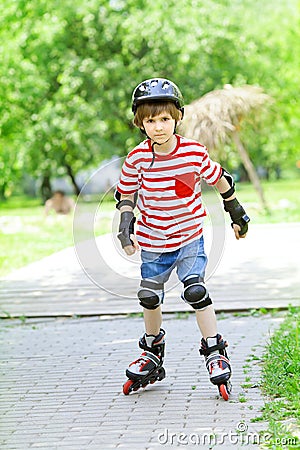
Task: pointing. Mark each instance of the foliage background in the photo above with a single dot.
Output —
(68, 70)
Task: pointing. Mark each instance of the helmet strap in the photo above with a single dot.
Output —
(156, 143)
(153, 155)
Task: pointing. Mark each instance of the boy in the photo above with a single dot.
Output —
(162, 174)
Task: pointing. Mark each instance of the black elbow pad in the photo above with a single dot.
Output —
(230, 180)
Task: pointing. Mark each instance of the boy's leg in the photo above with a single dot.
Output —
(207, 322)
(155, 271)
(148, 367)
(153, 320)
(213, 348)
(191, 272)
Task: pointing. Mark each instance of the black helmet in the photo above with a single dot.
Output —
(157, 89)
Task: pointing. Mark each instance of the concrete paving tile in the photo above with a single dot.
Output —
(66, 376)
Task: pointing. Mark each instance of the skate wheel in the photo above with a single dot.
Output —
(127, 387)
(161, 377)
(224, 392)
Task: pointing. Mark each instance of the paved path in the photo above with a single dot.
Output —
(251, 273)
(61, 386)
(61, 378)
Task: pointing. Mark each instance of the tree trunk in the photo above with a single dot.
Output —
(250, 170)
(73, 180)
(3, 191)
(46, 189)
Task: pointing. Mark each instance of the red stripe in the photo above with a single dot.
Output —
(163, 189)
(219, 174)
(175, 167)
(148, 236)
(126, 174)
(139, 149)
(129, 191)
(145, 159)
(145, 156)
(178, 216)
(216, 178)
(157, 180)
(127, 163)
(142, 160)
(195, 153)
(166, 178)
(191, 144)
(128, 183)
(173, 197)
(169, 208)
(205, 168)
(172, 224)
(178, 244)
(212, 174)
(190, 228)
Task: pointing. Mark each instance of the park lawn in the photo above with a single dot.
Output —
(280, 382)
(282, 196)
(26, 236)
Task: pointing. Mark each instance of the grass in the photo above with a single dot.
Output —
(282, 197)
(27, 236)
(280, 382)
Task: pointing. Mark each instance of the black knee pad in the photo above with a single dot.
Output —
(151, 294)
(195, 293)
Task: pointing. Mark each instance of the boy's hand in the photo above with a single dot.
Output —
(238, 216)
(131, 249)
(237, 229)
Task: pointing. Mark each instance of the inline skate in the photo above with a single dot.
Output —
(148, 367)
(217, 363)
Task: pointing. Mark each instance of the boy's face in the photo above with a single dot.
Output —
(159, 128)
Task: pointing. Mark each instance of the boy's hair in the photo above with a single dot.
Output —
(152, 109)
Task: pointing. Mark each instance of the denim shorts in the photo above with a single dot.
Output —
(188, 260)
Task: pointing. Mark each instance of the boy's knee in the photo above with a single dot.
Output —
(195, 293)
(151, 294)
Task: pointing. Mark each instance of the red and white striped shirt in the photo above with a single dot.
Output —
(169, 192)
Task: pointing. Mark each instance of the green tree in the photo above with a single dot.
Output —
(69, 69)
